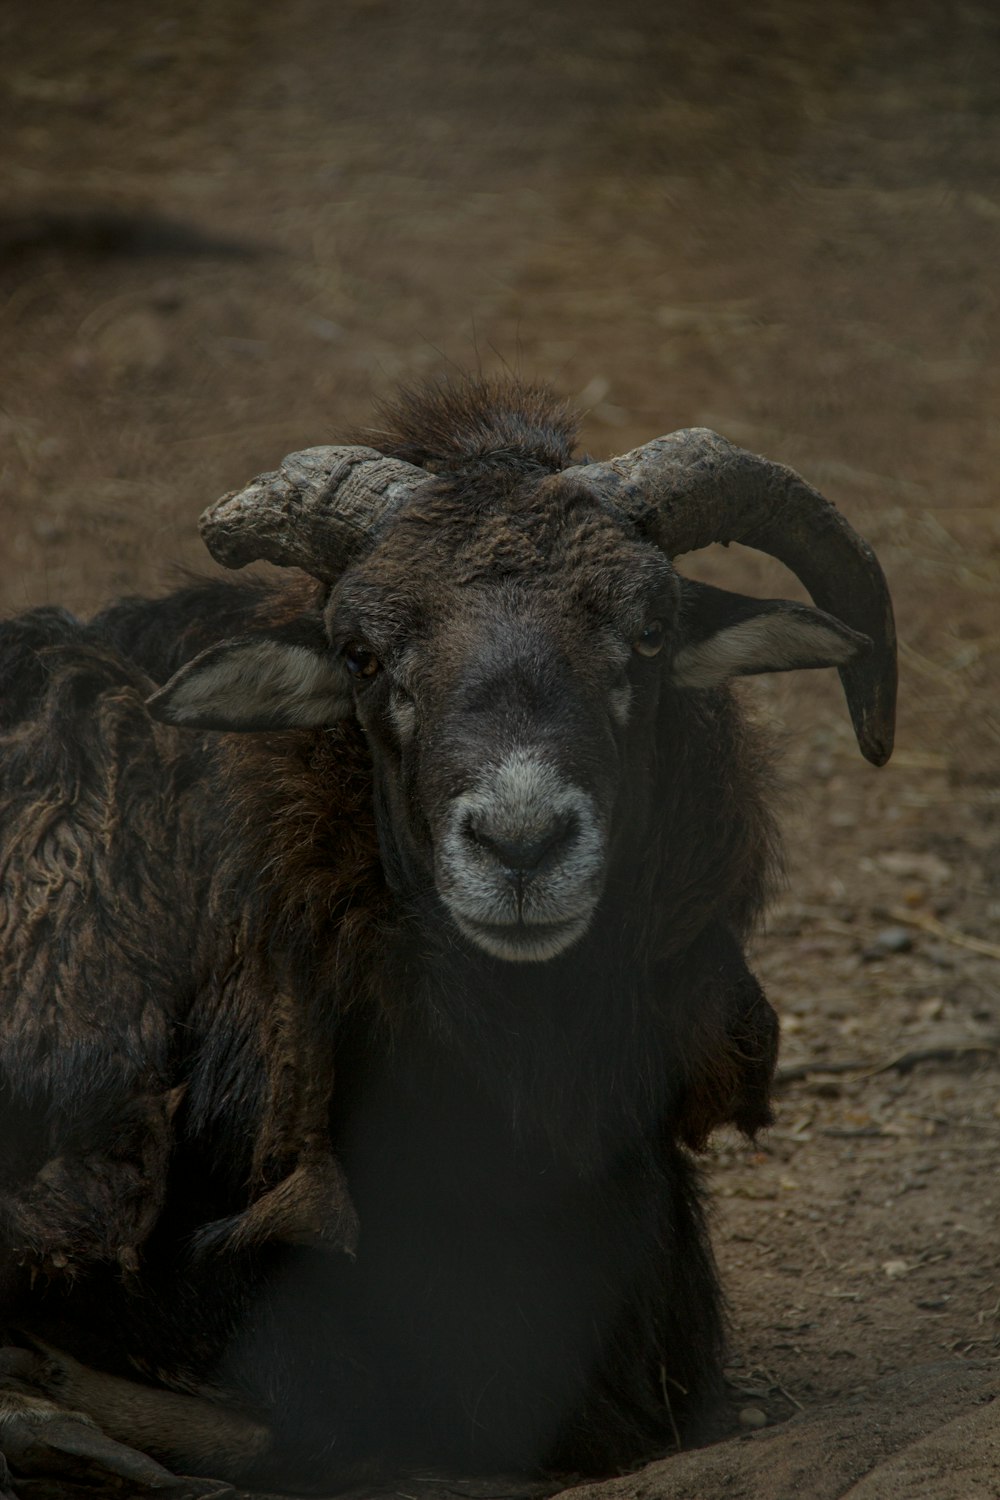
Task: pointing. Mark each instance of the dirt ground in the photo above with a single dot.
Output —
(224, 228)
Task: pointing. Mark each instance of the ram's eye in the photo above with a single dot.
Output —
(361, 662)
(650, 643)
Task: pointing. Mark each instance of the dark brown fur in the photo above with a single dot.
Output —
(470, 424)
(207, 974)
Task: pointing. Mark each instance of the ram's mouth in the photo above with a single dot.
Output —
(523, 942)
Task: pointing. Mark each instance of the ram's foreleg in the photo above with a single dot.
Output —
(58, 1418)
(730, 1044)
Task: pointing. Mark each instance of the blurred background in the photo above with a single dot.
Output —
(225, 227)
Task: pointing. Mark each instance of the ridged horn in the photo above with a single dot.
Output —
(693, 487)
(315, 512)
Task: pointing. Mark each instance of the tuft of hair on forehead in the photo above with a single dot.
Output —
(468, 422)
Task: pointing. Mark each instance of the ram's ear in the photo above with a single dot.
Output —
(275, 681)
(727, 635)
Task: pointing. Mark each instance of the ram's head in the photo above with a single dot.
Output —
(511, 634)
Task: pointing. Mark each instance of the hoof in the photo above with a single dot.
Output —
(49, 1449)
(39, 1439)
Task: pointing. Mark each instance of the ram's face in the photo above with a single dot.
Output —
(507, 675)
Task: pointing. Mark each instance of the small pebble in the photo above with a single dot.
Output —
(890, 940)
(325, 329)
(843, 820)
(752, 1417)
(895, 940)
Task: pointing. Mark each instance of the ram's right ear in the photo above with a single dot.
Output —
(256, 682)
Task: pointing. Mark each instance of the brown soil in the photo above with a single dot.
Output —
(224, 228)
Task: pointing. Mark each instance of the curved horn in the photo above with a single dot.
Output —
(693, 487)
(314, 513)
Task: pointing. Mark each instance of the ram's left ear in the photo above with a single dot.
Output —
(281, 679)
(727, 635)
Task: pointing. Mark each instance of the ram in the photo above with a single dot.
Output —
(372, 956)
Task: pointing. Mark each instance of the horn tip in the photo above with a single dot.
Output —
(876, 751)
(875, 739)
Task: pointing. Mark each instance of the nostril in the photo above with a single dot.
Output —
(524, 852)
